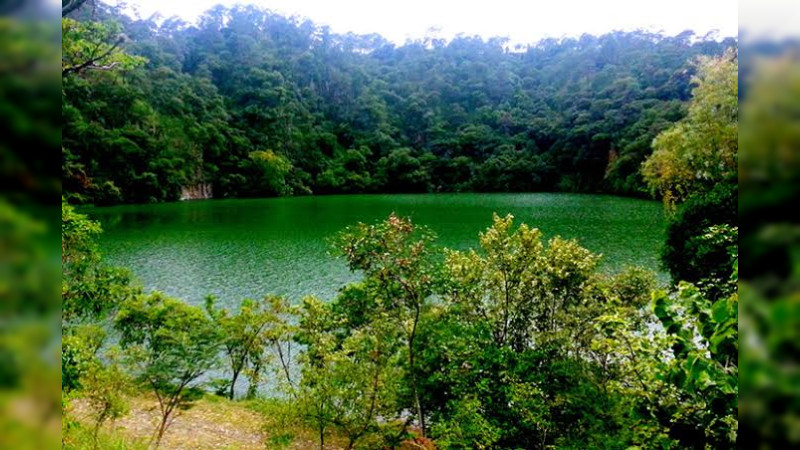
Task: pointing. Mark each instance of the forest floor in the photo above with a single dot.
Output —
(211, 423)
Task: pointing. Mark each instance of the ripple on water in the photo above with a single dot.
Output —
(236, 249)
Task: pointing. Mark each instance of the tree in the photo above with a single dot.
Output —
(354, 114)
(90, 292)
(400, 171)
(676, 364)
(247, 335)
(689, 253)
(350, 383)
(702, 149)
(169, 346)
(400, 274)
(105, 387)
(525, 292)
(512, 360)
(705, 369)
(89, 289)
(272, 171)
(87, 46)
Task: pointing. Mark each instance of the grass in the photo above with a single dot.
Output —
(80, 436)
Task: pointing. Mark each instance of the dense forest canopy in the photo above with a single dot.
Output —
(256, 104)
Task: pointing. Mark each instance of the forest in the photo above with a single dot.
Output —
(252, 104)
(522, 342)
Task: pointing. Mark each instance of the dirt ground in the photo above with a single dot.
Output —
(207, 424)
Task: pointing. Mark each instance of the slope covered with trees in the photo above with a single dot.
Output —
(256, 104)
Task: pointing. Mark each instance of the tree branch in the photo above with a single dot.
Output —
(91, 62)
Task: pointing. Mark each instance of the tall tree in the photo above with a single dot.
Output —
(702, 149)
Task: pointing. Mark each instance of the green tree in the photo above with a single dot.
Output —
(247, 335)
(88, 46)
(355, 113)
(524, 291)
(676, 366)
(105, 387)
(90, 292)
(689, 253)
(705, 344)
(89, 289)
(401, 275)
(514, 343)
(400, 171)
(169, 345)
(349, 384)
(702, 149)
(272, 171)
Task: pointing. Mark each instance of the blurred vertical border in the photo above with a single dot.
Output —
(769, 212)
(30, 129)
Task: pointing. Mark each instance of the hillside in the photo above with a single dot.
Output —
(250, 103)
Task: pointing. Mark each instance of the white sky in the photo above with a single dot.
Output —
(522, 21)
(771, 19)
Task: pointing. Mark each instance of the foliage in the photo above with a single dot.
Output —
(352, 114)
(105, 387)
(348, 173)
(89, 289)
(93, 46)
(349, 384)
(169, 346)
(705, 343)
(523, 291)
(466, 426)
(510, 361)
(400, 277)
(702, 149)
(283, 419)
(247, 335)
(688, 253)
(272, 169)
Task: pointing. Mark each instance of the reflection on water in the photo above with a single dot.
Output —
(247, 248)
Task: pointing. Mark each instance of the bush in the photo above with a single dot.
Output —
(687, 254)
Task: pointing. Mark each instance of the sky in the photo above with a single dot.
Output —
(770, 19)
(522, 21)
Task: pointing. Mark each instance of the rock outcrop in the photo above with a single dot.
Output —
(198, 191)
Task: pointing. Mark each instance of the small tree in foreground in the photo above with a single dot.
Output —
(169, 345)
(105, 387)
(247, 335)
(351, 380)
(401, 273)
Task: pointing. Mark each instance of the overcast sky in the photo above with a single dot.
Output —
(521, 20)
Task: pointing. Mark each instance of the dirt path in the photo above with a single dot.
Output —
(208, 424)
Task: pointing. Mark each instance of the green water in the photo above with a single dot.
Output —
(247, 248)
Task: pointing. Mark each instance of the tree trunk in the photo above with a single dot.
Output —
(97, 430)
(162, 427)
(420, 413)
(232, 392)
(412, 368)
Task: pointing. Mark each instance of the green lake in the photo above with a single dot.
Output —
(248, 248)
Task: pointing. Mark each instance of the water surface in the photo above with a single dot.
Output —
(247, 248)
